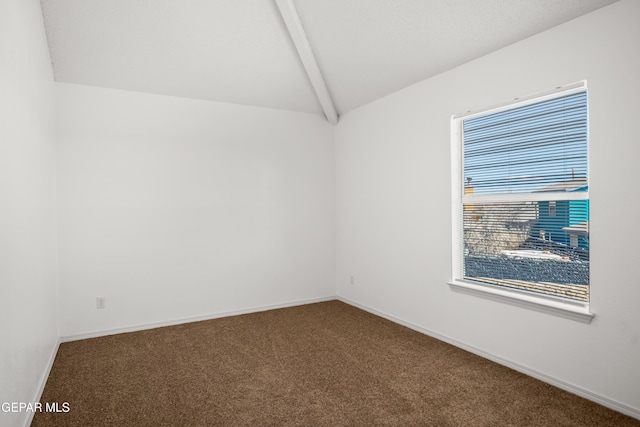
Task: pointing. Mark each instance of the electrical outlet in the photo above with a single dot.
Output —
(100, 302)
(353, 281)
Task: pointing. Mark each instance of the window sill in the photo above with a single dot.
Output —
(568, 309)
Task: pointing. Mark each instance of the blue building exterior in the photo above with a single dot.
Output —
(564, 221)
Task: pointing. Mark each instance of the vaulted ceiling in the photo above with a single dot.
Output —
(251, 51)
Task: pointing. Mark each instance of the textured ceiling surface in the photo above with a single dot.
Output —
(370, 48)
(241, 52)
(234, 51)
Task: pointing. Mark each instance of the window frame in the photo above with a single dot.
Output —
(575, 310)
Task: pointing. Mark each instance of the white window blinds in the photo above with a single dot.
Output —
(524, 197)
(528, 148)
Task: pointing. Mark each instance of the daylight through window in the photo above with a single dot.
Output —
(522, 197)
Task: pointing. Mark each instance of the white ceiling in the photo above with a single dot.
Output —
(240, 51)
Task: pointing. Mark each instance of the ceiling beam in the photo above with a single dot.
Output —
(299, 37)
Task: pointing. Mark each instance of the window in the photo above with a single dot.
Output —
(521, 201)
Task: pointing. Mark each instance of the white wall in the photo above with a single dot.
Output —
(394, 215)
(173, 208)
(28, 330)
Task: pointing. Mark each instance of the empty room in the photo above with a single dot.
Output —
(337, 212)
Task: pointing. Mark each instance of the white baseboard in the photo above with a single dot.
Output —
(180, 321)
(571, 388)
(43, 382)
